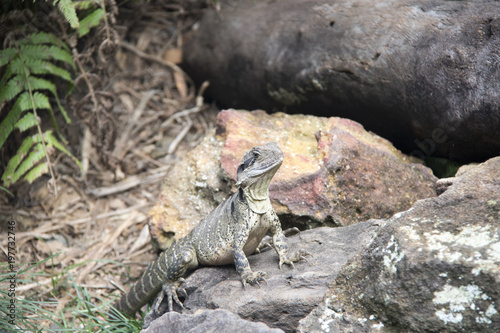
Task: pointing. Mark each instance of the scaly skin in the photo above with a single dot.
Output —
(230, 233)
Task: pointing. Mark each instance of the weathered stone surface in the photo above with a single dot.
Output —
(290, 293)
(334, 173)
(423, 74)
(433, 268)
(193, 187)
(207, 321)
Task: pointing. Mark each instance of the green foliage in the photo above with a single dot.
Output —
(94, 14)
(67, 8)
(35, 313)
(28, 65)
(32, 66)
(90, 21)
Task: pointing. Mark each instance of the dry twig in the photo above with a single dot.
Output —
(131, 182)
(105, 246)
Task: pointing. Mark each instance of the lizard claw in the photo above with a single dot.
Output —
(170, 289)
(253, 278)
(296, 256)
(262, 246)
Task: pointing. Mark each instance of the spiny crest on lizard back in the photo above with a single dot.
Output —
(258, 161)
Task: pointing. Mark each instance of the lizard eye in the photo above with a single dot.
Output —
(256, 153)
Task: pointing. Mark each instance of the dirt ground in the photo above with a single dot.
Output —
(142, 115)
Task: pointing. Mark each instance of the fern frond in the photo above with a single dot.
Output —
(86, 4)
(42, 84)
(43, 38)
(15, 67)
(7, 125)
(23, 63)
(36, 172)
(6, 56)
(41, 101)
(52, 140)
(13, 87)
(41, 51)
(35, 156)
(67, 7)
(22, 103)
(90, 21)
(16, 159)
(18, 84)
(20, 164)
(37, 66)
(26, 122)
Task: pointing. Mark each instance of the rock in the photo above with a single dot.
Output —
(443, 183)
(207, 321)
(334, 173)
(193, 187)
(289, 294)
(433, 268)
(422, 74)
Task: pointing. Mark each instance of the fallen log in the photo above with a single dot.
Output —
(424, 74)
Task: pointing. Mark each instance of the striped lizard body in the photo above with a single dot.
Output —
(230, 233)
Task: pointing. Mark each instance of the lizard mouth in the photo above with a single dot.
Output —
(271, 167)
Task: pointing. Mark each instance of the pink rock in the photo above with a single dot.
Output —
(334, 173)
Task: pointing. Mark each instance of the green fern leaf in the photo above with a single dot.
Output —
(55, 70)
(35, 156)
(16, 159)
(34, 51)
(45, 52)
(32, 56)
(41, 101)
(7, 125)
(90, 21)
(28, 121)
(18, 84)
(15, 67)
(85, 4)
(50, 139)
(60, 54)
(43, 38)
(6, 56)
(13, 87)
(22, 103)
(67, 7)
(64, 113)
(36, 172)
(37, 66)
(42, 84)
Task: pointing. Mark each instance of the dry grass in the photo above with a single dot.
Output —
(131, 124)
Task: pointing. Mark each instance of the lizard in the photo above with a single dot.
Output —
(231, 232)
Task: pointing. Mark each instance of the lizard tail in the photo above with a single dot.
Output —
(145, 289)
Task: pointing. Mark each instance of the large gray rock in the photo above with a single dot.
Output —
(289, 294)
(334, 173)
(433, 268)
(220, 321)
(423, 74)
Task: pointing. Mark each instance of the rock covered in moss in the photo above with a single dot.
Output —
(433, 268)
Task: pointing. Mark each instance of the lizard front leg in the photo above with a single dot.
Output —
(279, 242)
(240, 259)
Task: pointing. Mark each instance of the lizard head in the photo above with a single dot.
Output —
(259, 165)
